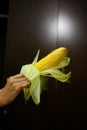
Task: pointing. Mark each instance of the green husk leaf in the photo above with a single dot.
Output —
(36, 57)
(65, 62)
(56, 73)
(34, 76)
(59, 75)
(35, 93)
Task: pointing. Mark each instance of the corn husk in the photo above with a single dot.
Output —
(49, 66)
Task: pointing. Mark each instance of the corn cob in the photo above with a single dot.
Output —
(52, 59)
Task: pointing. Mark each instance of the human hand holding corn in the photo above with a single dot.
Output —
(48, 66)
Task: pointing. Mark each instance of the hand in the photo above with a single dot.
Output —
(13, 87)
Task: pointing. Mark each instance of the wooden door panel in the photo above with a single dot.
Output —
(45, 25)
(32, 25)
(72, 24)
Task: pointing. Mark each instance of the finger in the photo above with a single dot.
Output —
(15, 76)
(21, 79)
(18, 76)
(20, 86)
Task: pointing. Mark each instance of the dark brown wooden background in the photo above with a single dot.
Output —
(46, 25)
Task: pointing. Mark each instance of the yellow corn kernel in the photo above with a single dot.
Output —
(52, 59)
